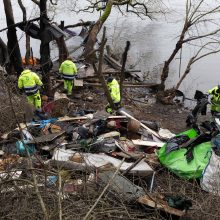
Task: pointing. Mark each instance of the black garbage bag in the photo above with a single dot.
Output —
(178, 202)
(175, 142)
(99, 127)
(210, 126)
(193, 143)
(83, 132)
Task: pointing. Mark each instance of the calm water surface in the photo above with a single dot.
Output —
(151, 43)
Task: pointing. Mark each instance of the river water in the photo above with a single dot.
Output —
(152, 41)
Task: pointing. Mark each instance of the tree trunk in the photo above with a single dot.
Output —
(187, 70)
(63, 51)
(28, 49)
(92, 38)
(124, 59)
(165, 71)
(28, 46)
(45, 60)
(4, 57)
(13, 46)
(99, 70)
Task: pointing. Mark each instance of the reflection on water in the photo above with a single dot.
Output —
(151, 44)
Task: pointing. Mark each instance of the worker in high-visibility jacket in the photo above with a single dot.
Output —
(69, 71)
(29, 82)
(114, 90)
(215, 99)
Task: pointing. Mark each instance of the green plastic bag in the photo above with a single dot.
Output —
(176, 161)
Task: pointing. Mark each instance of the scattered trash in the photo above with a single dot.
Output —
(176, 160)
(95, 144)
(51, 180)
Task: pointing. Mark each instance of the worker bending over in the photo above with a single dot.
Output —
(215, 99)
(114, 90)
(29, 82)
(68, 70)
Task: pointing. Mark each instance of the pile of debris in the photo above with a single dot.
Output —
(91, 157)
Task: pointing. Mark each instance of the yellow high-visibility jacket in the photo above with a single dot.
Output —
(68, 69)
(215, 99)
(114, 91)
(29, 81)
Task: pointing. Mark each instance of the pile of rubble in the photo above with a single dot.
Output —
(89, 151)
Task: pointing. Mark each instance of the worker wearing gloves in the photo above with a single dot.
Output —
(114, 90)
(68, 70)
(29, 82)
(215, 99)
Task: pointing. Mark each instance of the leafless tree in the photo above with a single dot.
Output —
(204, 51)
(200, 24)
(140, 8)
(13, 46)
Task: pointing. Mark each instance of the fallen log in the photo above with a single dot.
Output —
(116, 65)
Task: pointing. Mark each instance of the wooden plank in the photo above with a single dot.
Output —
(45, 138)
(147, 143)
(67, 118)
(117, 117)
(160, 204)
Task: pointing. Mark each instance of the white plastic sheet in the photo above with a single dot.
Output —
(100, 160)
(210, 181)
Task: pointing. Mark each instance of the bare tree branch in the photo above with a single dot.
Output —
(196, 13)
(195, 58)
(53, 3)
(201, 36)
(37, 2)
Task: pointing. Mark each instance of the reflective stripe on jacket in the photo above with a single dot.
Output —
(215, 99)
(68, 69)
(31, 90)
(29, 81)
(114, 91)
(68, 77)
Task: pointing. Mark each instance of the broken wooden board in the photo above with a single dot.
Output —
(158, 203)
(147, 143)
(116, 65)
(45, 138)
(67, 118)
